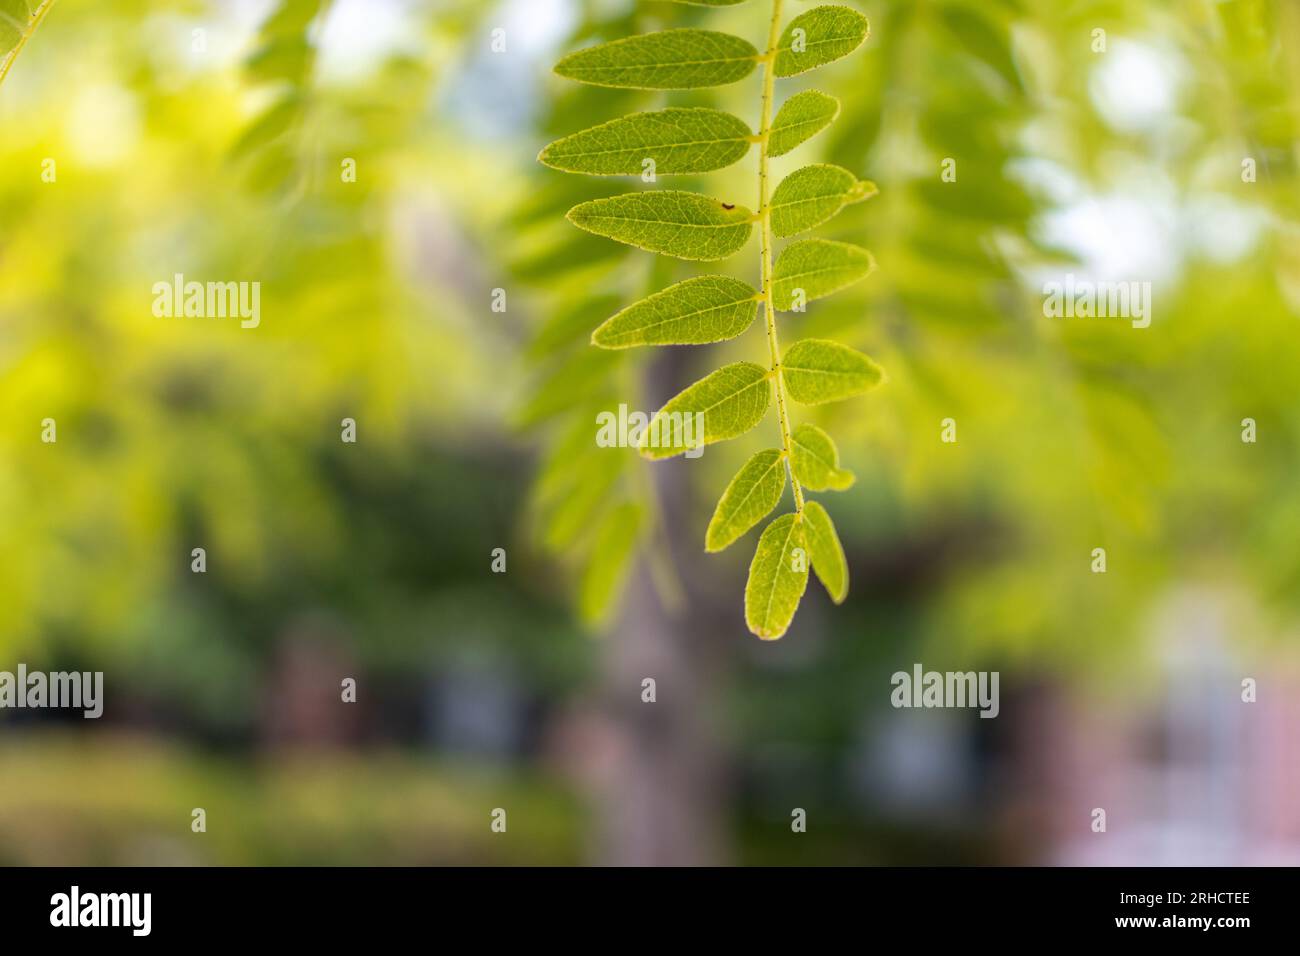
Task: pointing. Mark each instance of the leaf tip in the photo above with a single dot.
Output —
(864, 190)
(578, 216)
(648, 451)
(765, 634)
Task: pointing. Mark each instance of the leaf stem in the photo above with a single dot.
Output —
(765, 232)
(24, 33)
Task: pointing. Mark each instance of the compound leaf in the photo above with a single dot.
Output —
(819, 370)
(667, 60)
(750, 497)
(800, 118)
(826, 552)
(705, 309)
(681, 224)
(722, 405)
(677, 140)
(694, 312)
(816, 461)
(817, 37)
(815, 268)
(810, 196)
(778, 576)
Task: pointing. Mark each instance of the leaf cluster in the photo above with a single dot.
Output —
(712, 308)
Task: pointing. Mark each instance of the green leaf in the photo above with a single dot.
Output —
(14, 17)
(279, 118)
(694, 312)
(668, 60)
(608, 564)
(818, 267)
(568, 457)
(569, 382)
(810, 196)
(13, 23)
(289, 16)
(554, 260)
(18, 21)
(681, 224)
(778, 576)
(709, 3)
(731, 400)
(983, 40)
(567, 518)
(571, 322)
(819, 370)
(817, 37)
(750, 497)
(816, 461)
(800, 118)
(678, 141)
(286, 58)
(826, 552)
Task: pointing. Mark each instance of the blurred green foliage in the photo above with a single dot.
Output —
(1071, 434)
(300, 810)
(179, 433)
(182, 433)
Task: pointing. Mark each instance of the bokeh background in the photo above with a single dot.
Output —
(208, 138)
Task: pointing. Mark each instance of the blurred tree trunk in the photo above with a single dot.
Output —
(663, 799)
